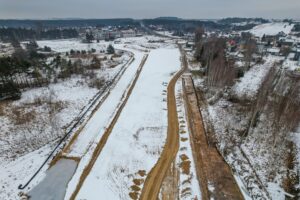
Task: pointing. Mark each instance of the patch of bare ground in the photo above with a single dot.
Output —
(184, 157)
(210, 165)
(142, 173)
(183, 139)
(137, 183)
(135, 188)
(3, 105)
(185, 164)
(134, 195)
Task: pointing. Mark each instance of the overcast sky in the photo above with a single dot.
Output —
(192, 9)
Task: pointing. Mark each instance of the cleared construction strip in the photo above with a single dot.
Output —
(105, 136)
(157, 174)
(214, 174)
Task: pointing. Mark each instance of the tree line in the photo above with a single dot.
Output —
(20, 34)
(220, 68)
(211, 53)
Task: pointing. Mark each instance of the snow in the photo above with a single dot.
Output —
(291, 65)
(295, 137)
(139, 134)
(242, 187)
(168, 34)
(249, 84)
(68, 44)
(101, 118)
(6, 49)
(228, 123)
(273, 50)
(188, 183)
(276, 191)
(19, 158)
(19, 171)
(64, 91)
(71, 95)
(211, 188)
(271, 29)
(75, 95)
(16, 171)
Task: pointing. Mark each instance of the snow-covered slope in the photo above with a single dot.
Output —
(248, 86)
(271, 29)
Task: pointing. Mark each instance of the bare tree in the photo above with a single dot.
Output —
(249, 50)
(220, 71)
(199, 34)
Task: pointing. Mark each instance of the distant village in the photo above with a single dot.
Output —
(282, 45)
(109, 33)
(285, 45)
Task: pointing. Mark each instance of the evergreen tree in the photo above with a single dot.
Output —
(110, 49)
(89, 37)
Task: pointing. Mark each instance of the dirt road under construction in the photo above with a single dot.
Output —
(212, 170)
(155, 177)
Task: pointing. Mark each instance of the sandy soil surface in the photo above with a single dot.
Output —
(215, 176)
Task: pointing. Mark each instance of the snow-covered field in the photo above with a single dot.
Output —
(17, 172)
(271, 29)
(139, 133)
(45, 112)
(74, 94)
(40, 130)
(75, 44)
